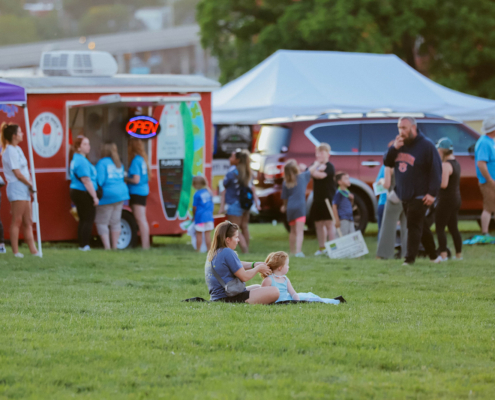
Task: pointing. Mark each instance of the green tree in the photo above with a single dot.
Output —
(456, 40)
(78, 8)
(15, 7)
(48, 27)
(105, 19)
(14, 30)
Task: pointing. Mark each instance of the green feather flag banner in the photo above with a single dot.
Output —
(187, 176)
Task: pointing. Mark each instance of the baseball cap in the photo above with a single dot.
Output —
(488, 125)
(445, 143)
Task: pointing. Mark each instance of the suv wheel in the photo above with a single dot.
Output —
(360, 213)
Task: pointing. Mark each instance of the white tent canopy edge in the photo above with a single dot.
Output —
(292, 82)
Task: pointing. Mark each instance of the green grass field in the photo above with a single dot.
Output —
(110, 325)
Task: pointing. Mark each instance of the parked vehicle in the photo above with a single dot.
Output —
(358, 143)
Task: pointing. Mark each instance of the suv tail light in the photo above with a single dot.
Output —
(274, 171)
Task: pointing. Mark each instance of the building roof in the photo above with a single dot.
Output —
(29, 54)
(293, 82)
(124, 83)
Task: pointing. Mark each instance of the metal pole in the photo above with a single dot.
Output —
(36, 216)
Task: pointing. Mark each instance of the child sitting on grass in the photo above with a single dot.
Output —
(278, 262)
(294, 196)
(342, 204)
(203, 212)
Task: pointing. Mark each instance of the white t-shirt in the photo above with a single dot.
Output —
(13, 158)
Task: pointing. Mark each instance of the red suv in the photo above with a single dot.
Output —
(358, 143)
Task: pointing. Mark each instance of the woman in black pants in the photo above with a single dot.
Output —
(83, 189)
(449, 200)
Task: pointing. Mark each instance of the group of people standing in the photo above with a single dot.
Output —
(99, 192)
(332, 200)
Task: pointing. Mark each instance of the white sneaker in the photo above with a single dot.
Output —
(38, 254)
(85, 248)
(321, 253)
(19, 255)
(439, 259)
(3, 250)
(300, 255)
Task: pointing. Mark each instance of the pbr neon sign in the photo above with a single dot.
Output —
(143, 127)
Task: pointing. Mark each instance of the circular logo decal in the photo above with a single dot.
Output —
(47, 134)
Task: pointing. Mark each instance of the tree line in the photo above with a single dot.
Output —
(450, 41)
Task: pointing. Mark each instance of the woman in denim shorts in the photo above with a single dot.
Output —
(238, 174)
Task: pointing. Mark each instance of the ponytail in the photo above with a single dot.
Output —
(7, 131)
(243, 167)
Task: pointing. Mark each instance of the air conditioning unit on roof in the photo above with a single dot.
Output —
(78, 63)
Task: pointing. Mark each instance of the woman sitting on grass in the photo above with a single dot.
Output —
(227, 265)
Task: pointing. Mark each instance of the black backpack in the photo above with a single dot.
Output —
(246, 198)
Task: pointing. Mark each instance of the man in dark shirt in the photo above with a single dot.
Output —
(418, 174)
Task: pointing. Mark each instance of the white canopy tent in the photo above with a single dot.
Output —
(292, 83)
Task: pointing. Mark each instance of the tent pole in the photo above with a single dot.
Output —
(36, 217)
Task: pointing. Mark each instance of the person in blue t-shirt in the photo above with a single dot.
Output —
(83, 187)
(111, 179)
(484, 155)
(137, 182)
(342, 204)
(203, 212)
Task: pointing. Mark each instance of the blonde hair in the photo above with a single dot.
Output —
(324, 147)
(276, 260)
(136, 147)
(200, 180)
(110, 150)
(223, 231)
(291, 171)
(7, 130)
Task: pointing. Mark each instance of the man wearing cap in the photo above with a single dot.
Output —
(418, 174)
(484, 155)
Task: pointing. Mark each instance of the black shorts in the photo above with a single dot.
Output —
(138, 200)
(319, 211)
(239, 298)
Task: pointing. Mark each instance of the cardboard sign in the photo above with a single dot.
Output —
(349, 246)
(379, 189)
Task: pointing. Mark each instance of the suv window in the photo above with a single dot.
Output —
(341, 138)
(272, 139)
(463, 139)
(376, 137)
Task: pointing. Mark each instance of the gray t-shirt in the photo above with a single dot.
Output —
(226, 264)
(296, 197)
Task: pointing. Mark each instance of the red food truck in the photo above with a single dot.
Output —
(172, 111)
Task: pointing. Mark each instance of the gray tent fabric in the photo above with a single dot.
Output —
(294, 82)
